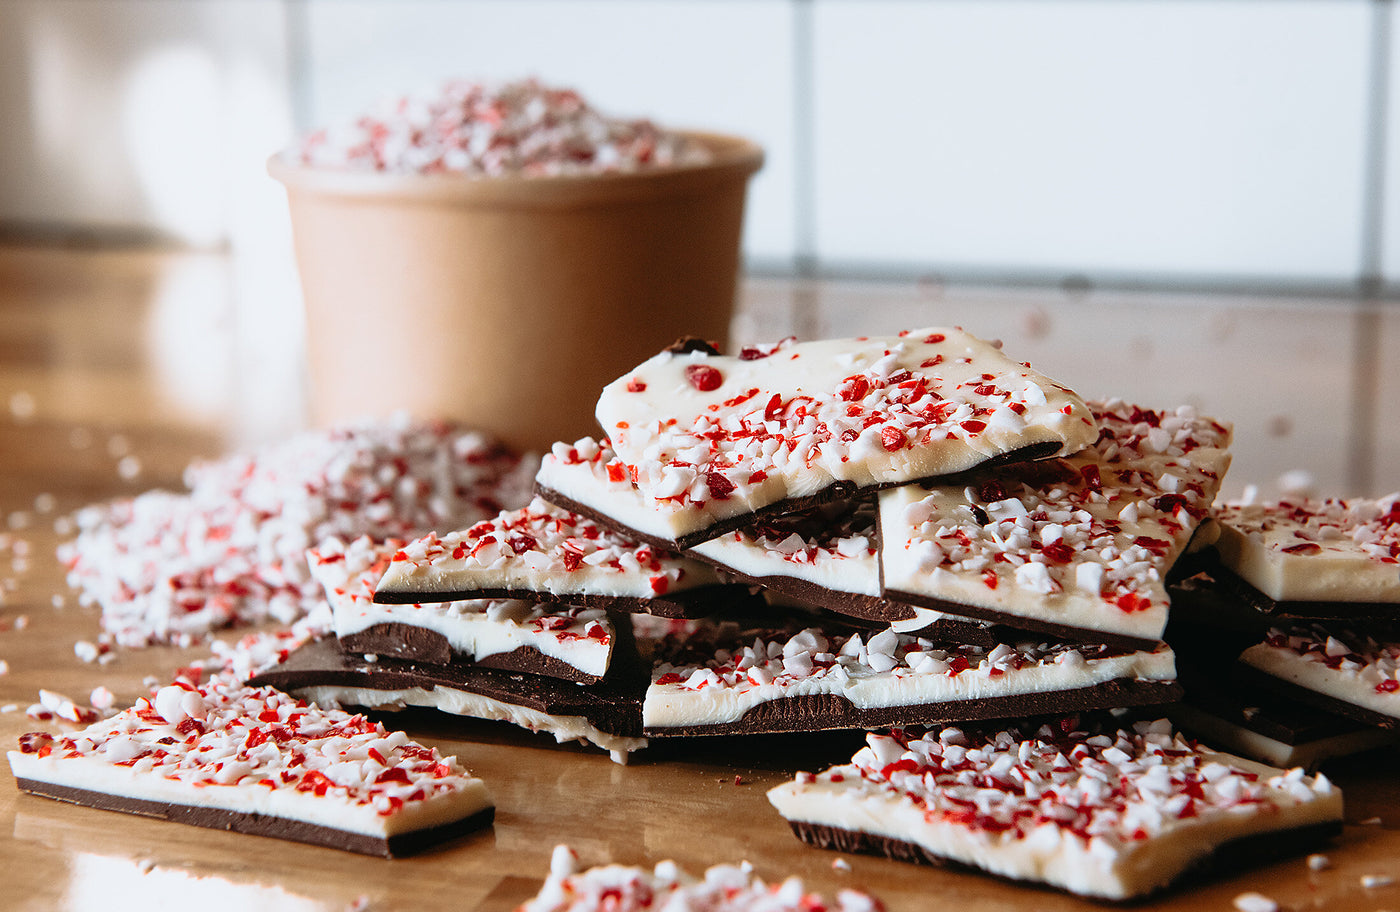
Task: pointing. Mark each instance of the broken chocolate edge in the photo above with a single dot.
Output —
(1225, 859)
(395, 845)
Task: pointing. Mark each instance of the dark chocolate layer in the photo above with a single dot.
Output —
(612, 706)
(824, 712)
(1061, 632)
(1227, 858)
(838, 490)
(1250, 675)
(263, 825)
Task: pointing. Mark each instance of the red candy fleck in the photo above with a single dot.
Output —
(973, 426)
(892, 439)
(636, 385)
(1059, 552)
(720, 487)
(703, 377)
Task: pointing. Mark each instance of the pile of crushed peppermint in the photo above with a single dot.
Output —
(478, 129)
(172, 568)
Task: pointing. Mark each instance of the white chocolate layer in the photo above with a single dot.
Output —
(212, 747)
(475, 628)
(1112, 816)
(1315, 550)
(707, 437)
(1083, 542)
(1351, 667)
(544, 549)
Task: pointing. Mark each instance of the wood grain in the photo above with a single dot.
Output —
(71, 344)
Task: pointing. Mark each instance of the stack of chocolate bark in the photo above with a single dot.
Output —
(844, 534)
(876, 533)
(1289, 635)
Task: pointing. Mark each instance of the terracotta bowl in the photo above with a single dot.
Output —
(508, 303)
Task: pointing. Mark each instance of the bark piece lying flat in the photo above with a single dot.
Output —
(607, 714)
(711, 441)
(546, 553)
(734, 678)
(1349, 672)
(1315, 557)
(563, 641)
(1106, 813)
(253, 760)
(1077, 547)
(722, 888)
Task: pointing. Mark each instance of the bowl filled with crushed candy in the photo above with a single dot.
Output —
(495, 253)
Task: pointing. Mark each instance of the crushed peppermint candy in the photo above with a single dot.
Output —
(1078, 804)
(1079, 542)
(257, 752)
(722, 888)
(799, 418)
(171, 568)
(542, 549)
(491, 130)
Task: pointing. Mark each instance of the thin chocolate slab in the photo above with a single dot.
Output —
(545, 553)
(397, 845)
(1269, 611)
(607, 713)
(831, 712)
(732, 678)
(1088, 805)
(1226, 860)
(222, 754)
(1078, 547)
(1314, 552)
(573, 642)
(1342, 670)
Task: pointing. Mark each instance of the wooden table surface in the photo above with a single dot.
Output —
(80, 391)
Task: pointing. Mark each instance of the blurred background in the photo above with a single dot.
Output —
(1165, 200)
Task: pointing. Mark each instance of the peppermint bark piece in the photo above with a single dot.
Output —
(1078, 547)
(730, 678)
(1346, 671)
(563, 641)
(1332, 557)
(253, 760)
(545, 553)
(710, 441)
(607, 714)
(722, 888)
(1103, 813)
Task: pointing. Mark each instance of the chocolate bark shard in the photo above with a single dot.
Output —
(569, 641)
(1077, 547)
(543, 552)
(1101, 811)
(1342, 670)
(744, 678)
(254, 760)
(397, 845)
(607, 714)
(710, 441)
(1311, 553)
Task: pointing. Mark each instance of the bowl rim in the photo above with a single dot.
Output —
(735, 160)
